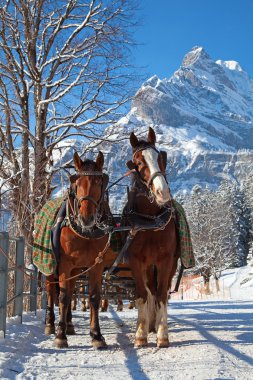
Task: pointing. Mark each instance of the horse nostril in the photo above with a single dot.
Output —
(163, 193)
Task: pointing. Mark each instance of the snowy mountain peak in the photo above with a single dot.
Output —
(231, 65)
(203, 118)
(196, 55)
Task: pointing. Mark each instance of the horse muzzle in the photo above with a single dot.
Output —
(162, 196)
(86, 223)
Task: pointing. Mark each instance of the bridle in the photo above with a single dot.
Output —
(148, 183)
(78, 200)
(88, 198)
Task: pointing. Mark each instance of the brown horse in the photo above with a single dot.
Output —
(153, 254)
(84, 242)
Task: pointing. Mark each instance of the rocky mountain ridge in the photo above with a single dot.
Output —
(203, 118)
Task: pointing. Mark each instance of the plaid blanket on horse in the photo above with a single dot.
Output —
(186, 251)
(43, 255)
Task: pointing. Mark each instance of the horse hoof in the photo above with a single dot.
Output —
(99, 344)
(140, 342)
(49, 329)
(119, 308)
(70, 330)
(60, 343)
(103, 310)
(84, 309)
(162, 343)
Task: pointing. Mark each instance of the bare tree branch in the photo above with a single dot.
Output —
(64, 72)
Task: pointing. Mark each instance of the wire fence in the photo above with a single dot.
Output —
(192, 287)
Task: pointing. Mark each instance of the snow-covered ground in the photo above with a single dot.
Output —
(209, 339)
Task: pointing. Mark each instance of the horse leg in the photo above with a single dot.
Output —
(141, 304)
(57, 294)
(74, 301)
(152, 285)
(104, 305)
(161, 306)
(64, 301)
(70, 327)
(120, 305)
(119, 300)
(95, 276)
(50, 317)
(83, 301)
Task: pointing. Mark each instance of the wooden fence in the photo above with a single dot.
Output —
(18, 284)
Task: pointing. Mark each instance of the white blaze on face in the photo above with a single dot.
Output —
(161, 188)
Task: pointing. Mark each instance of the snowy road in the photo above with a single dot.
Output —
(208, 340)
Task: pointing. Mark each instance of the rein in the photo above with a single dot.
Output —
(98, 260)
(122, 177)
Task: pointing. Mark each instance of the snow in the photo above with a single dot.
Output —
(209, 339)
(231, 65)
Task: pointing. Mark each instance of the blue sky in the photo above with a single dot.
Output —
(170, 28)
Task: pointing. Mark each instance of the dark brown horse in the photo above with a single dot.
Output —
(153, 253)
(83, 243)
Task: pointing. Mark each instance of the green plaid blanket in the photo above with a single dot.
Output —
(186, 251)
(43, 255)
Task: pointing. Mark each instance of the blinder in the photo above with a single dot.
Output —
(73, 178)
(163, 157)
(131, 165)
(105, 182)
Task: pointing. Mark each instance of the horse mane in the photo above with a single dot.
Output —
(89, 165)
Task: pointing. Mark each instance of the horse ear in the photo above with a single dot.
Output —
(77, 161)
(133, 140)
(100, 160)
(151, 136)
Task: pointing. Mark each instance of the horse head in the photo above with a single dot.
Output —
(150, 165)
(88, 185)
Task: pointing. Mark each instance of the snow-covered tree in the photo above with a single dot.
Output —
(248, 209)
(219, 228)
(64, 72)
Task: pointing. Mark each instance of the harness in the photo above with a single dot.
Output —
(73, 220)
(104, 223)
(141, 221)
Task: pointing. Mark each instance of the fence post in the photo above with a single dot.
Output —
(33, 290)
(4, 245)
(19, 278)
